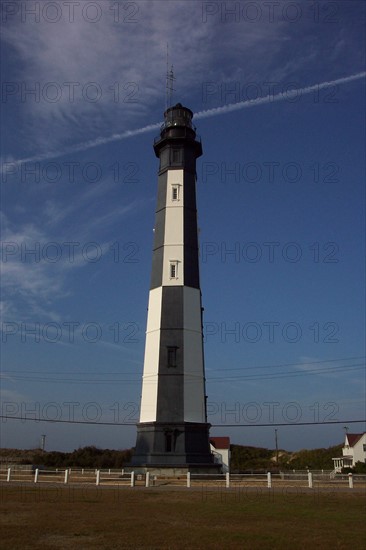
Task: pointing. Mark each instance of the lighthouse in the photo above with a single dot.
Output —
(173, 431)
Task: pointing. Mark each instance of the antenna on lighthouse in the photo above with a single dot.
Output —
(169, 80)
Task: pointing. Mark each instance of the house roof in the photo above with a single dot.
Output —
(353, 438)
(220, 442)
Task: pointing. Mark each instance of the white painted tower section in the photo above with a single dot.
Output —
(173, 235)
(193, 375)
(151, 361)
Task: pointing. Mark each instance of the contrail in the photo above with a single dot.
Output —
(276, 97)
(83, 146)
(271, 98)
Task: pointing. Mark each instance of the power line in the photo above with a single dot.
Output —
(288, 374)
(292, 364)
(94, 423)
(285, 424)
(267, 376)
(210, 370)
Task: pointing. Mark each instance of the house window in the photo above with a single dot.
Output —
(173, 267)
(172, 356)
(364, 447)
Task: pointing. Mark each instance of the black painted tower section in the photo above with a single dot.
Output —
(173, 429)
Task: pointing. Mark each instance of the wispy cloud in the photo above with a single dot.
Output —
(111, 74)
(24, 281)
(105, 74)
(31, 278)
(108, 76)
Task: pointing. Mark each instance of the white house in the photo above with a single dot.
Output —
(354, 450)
(220, 448)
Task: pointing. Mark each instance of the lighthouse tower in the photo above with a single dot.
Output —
(173, 430)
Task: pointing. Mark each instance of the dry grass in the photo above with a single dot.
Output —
(50, 517)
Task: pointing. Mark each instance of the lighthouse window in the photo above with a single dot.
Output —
(174, 270)
(175, 193)
(172, 356)
(175, 156)
(168, 442)
(164, 158)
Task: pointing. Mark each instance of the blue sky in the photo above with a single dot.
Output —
(280, 200)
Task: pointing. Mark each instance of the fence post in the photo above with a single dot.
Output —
(188, 479)
(310, 480)
(350, 481)
(132, 479)
(8, 476)
(227, 480)
(269, 480)
(98, 477)
(147, 479)
(66, 476)
(82, 471)
(36, 476)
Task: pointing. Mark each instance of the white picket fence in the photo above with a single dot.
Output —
(66, 476)
(111, 477)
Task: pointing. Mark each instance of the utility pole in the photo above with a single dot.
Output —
(43, 441)
(276, 440)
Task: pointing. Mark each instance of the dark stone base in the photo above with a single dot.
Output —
(178, 445)
(175, 471)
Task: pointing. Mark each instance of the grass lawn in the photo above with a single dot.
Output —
(71, 517)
